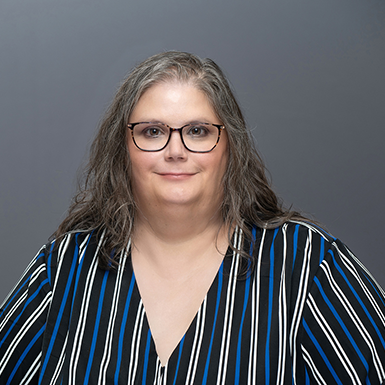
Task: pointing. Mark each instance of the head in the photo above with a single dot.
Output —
(186, 68)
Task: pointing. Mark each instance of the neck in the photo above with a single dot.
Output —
(175, 225)
(174, 239)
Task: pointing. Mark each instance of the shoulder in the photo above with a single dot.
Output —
(334, 254)
(75, 248)
(307, 259)
(305, 245)
(76, 240)
(342, 311)
(336, 309)
(292, 243)
(304, 230)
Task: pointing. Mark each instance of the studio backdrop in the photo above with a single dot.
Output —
(309, 75)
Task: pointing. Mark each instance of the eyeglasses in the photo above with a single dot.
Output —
(196, 137)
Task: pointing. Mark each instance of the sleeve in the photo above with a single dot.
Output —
(22, 324)
(342, 332)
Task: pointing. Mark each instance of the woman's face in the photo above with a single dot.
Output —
(174, 175)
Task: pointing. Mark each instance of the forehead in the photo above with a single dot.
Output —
(173, 100)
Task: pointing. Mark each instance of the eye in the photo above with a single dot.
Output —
(153, 132)
(197, 131)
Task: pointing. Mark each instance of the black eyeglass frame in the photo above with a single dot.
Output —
(220, 127)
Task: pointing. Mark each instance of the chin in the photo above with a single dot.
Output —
(178, 197)
(180, 201)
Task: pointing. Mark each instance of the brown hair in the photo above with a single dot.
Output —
(105, 200)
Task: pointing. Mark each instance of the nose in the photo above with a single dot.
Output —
(175, 148)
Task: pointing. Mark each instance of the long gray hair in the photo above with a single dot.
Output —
(105, 200)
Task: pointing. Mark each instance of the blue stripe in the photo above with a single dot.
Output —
(146, 355)
(179, 356)
(17, 292)
(321, 352)
(49, 266)
(253, 237)
(245, 301)
(271, 286)
(238, 362)
(322, 251)
(220, 278)
(40, 255)
(338, 318)
(30, 299)
(79, 269)
(359, 300)
(123, 329)
(295, 244)
(96, 327)
(61, 310)
(307, 379)
(27, 349)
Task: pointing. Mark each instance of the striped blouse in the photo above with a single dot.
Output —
(309, 312)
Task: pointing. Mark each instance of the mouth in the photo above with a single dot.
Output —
(176, 175)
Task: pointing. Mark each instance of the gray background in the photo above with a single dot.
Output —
(309, 75)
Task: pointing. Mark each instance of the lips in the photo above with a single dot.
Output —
(176, 175)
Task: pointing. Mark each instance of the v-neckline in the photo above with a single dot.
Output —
(188, 330)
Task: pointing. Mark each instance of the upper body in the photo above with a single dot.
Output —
(176, 206)
(308, 313)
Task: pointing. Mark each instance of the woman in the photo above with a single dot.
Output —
(177, 264)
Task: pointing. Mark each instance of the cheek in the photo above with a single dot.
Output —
(222, 164)
(142, 165)
(136, 169)
(217, 169)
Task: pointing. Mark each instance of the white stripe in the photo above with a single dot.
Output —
(333, 340)
(79, 333)
(111, 322)
(164, 378)
(363, 267)
(62, 356)
(32, 370)
(253, 336)
(158, 375)
(61, 252)
(222, 368)
(256, 304)
(14, 308)
(354, 317)
(24, 330)
(23, 276)
(300, 302)
(313, 368)
(282, 315)
(83, 246)
(60, 361)
(136, 338)
(34, 276)
(348, 264)
(63, 353)
(194, 345)
(313, 228)
(198, 333)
